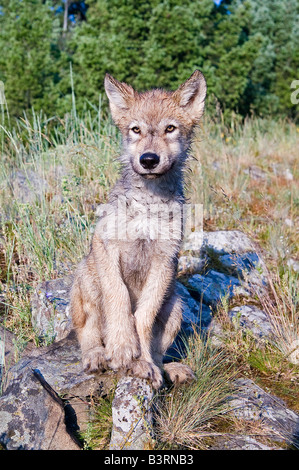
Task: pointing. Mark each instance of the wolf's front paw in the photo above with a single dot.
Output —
(179, 373)
(147, 370)
(94, 360)
(120, 356)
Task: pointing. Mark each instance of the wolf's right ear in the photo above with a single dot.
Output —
(120, 95)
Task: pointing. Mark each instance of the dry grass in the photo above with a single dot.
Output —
(186, 416)
(47, 213)
(281, 304)
(246, 176)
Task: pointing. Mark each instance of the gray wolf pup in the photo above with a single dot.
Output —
(124, 305)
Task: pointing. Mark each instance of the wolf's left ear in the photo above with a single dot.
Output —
(191, 95)
(120, 94)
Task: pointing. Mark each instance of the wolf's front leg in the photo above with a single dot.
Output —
(149, 304)
(86, 318)
(120, 336)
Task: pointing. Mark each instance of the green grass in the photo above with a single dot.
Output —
(44, 237)
(98, 430)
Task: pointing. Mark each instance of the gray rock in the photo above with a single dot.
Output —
(252, 403)
(236, 442)
(222, 242)
(246, 317)
(245, 265)
(256, 172)
(280, 171)
(216, 333)
(190, 264)
(249, 317)
(193, 241)
(293, 264)
(60, 364)
(294, 356)
(27, 186)
(10, 352)
(224, 258)
(32, 416)
(51, 317)
(7, 352)
(213, 286)
(28, 414)
(132, 415)
(194, 313)
(240, 260)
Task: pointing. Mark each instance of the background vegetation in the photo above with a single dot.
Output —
(248, 51)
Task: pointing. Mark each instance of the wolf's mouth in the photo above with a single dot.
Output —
(151, 176)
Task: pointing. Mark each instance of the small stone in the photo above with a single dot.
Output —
(294, 356)
(288, 175)
(251, 318)
(288, 222)
(27, 186)
(190, 264)
(255, 172)
(51, 317)
(293, 264)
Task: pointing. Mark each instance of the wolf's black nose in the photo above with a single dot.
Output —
(149, 161)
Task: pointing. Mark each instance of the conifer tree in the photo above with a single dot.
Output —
(29, 55)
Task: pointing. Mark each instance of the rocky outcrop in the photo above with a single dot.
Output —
(33, 414)
(230, 265)
(252, 403)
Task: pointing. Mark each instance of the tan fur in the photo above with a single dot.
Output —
(123, 300)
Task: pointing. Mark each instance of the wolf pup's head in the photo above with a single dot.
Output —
(156, 125)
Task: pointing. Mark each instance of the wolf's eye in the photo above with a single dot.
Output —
(136, 130)
(170, 128)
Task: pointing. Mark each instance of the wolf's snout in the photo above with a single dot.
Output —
(149, 161)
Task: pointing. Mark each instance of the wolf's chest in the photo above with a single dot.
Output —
(136, 259)
(156, 222)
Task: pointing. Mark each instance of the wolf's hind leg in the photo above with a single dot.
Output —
(166, 328)
(179, 373)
